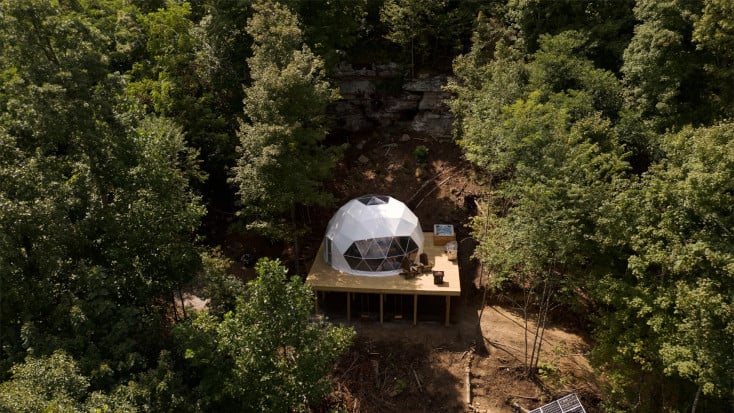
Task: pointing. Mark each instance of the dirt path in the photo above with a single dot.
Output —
(564, 364)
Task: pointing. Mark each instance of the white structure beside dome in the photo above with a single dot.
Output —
(372, 235)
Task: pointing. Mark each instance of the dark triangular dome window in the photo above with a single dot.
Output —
(362, 266)
(374, 199)
(353, 251)
(412, 246)
(353, 262)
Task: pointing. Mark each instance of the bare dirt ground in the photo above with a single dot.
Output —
(396, 367)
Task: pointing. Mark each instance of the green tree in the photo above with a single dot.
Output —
(676, 70)
(555, 74)
(266, 355)
(220, 286)
(607, 24)
(331, 28)
(96, 216)
(220, 66)
(667, 317)
(427, 28)
(180, 76)
(651, 254)
(54, 383)
(542, 131)
(560, 66)
(282, 156)
(536, 235)
(713, 32)
(489, 85)
(411, 23)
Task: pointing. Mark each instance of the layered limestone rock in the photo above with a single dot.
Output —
(382, 96)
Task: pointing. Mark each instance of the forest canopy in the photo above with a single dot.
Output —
(602, 134)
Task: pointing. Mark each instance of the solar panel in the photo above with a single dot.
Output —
(566, 404)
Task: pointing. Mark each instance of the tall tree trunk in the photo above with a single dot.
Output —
(695, 400)
(533, 363)
(412, 59)
(485, 229)
(526, 305)
(545, 308)
(175, 307)
(183, 304)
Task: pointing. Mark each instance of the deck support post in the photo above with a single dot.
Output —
(382, 303)
(349, 307)
(415, 309)
(448, 309)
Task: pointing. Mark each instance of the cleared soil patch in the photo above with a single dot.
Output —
(396, 367)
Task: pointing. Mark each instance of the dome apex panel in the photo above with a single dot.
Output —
(374, 199)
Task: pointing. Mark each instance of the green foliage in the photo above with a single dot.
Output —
(54, 383)
(331, 27)
(282, 157)
(191, 69)
(713, 32)
(560, 177)
(421, 154)
(713, 29)
(96, 217)
(669, 76)
(42, 383)
(267, 355)
(652, 255)
(161, 388)
(607, 24)
(669, 311)
(542, 131)
(479, 102)
(558, 67)
(220, 287)
(411, 21)
(428, 28)
(535, 238)
(99, 101)
(497, 128)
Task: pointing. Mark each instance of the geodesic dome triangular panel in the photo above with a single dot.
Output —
(372, 235)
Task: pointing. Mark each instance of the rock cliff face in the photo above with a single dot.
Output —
(380, 97)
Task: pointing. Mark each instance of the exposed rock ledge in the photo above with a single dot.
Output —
(382, 97)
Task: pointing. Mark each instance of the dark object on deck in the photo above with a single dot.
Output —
(438, 277)
(410, 270)
(424, 258)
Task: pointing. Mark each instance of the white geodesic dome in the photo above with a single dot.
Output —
(372, 235)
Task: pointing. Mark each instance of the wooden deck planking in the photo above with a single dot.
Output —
(323, 277)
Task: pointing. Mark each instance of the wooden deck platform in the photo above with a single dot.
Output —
(323, 277)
